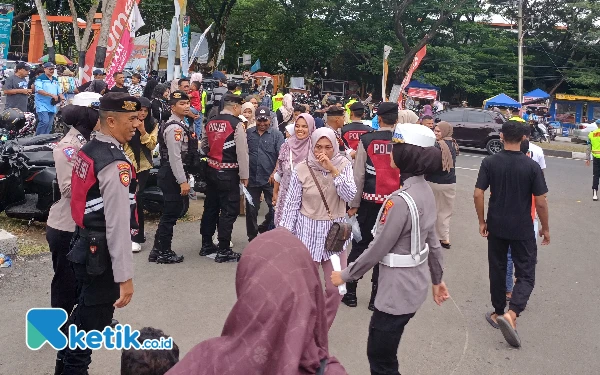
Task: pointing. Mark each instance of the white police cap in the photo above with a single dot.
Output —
(87, 99)
(413, 134)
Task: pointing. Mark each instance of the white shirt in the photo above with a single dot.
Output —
(537, 154)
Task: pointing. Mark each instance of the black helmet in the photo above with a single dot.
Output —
(12, 119)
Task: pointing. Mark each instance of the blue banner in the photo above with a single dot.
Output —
(256, 67)
(6, 17)
(185, 46)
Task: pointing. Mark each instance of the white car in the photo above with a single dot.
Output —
(583, 130)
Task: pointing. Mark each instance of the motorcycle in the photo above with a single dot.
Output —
(540, 134)
(27, 182)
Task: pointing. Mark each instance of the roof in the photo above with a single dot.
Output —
(418, 85)
(502, 100)
(537, 93)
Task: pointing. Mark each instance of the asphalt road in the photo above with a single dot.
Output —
(190, 301)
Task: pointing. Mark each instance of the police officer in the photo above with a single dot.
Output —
(352, 131)
(82, 115)
(375, 180)
(593, 152)
(224, 142)
(405, 246)
(103, 207)
(178, 151)
(335, 121)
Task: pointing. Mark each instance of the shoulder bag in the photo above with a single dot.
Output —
(339, 233)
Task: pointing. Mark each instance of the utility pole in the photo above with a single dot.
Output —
(520, 47)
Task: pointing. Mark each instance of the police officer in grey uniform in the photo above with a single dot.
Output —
(178, 152)
(406, 247)
(103, 207)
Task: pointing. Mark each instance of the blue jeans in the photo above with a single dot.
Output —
(45, 121)
(197, 123)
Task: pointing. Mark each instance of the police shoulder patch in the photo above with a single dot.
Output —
(125, 177)
(388, 205)
(178, 134)
(69, 152)
(123, 166)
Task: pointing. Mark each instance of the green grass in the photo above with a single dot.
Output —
(562, 146)
(31, 240)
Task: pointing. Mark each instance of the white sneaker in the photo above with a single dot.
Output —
(136, 247)
(595, 195)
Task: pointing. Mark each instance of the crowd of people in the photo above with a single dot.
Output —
(317, 173)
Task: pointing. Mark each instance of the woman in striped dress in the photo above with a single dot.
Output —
(304, 213)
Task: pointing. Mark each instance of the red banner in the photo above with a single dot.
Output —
(119, 43)
(415, 64)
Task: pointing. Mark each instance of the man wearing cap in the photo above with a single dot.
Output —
(375, 179)
(15, 88)
(352, 131)
(335, 121)
(224, 142)
(103, 186)
(98, 75)
(178, 151)
(405, 247)
(48, 94)
(264, 142)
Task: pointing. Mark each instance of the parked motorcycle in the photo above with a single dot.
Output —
(540, 134)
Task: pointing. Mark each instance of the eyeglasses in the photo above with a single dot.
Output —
(327, 148)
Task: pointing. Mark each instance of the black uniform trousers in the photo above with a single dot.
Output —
(175, 206)
(367, 216)
(142, 179)
(221, 205)
(596, 167)
(524, 256)
(252, 212)
(63, 289)
(385, 332)
(94, 310)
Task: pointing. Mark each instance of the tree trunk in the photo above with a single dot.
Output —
(108, 7)
(46, 30)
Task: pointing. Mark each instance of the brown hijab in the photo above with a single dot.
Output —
(447, 130)
(278, 324)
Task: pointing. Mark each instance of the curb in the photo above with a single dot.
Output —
(565, 154)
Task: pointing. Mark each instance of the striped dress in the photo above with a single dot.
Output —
(311, 232)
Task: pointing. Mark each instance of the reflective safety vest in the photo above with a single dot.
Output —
(516, 118)
(220, 131)
(347, 106)
(237, 92)
(380, 178)
(353, 131)
(203, 101)
(594, 140)
(277, 101)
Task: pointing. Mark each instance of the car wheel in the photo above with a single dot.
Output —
(494, 146)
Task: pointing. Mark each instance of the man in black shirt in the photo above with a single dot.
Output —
(513, 179)
(119, 86)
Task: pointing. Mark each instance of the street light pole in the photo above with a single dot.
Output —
(520, 47)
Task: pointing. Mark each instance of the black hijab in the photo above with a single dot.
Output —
(416, 160)
(84, 119)
(149, 89)
(135, 143)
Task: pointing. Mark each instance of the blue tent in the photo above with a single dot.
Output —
(537, 94)
(418, 85)
(502, 100)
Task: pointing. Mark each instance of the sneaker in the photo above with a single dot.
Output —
(168, 257)
(208, 249)
(227, 255)
(595, 197)
(136, 247)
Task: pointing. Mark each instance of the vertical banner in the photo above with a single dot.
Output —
(386, 54)
(185, 46)
(119, 23)
(172, 52)
(7, 12)
(415, 64)
(197, 48)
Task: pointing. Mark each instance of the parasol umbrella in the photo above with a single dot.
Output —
(218, 75)
(59, 59)
(262, 74)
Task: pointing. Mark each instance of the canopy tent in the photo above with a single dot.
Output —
(422, 93)
(501, 100)
(418, 85)
(534, 95)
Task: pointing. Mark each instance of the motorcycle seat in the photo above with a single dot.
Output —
(38, 139)
(40, 158)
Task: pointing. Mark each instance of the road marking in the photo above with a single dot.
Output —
(468, 169)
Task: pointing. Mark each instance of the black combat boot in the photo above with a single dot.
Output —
(227, 255)
(168, 257)
(155, 250)
(208, 247)
(373, 295)
(350, 297)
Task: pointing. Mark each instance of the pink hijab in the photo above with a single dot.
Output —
(278, 324)
(338, 160)
(301, 147)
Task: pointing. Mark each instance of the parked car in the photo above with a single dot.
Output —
(582, 131)
(475, 128)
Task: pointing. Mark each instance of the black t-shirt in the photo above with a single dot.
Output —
(513, 178)
(119, 89)
(443, 177)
